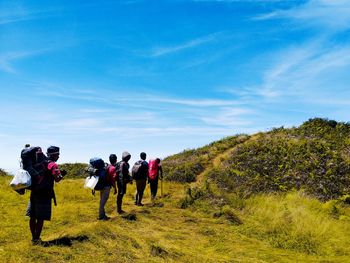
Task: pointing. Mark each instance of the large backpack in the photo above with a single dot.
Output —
(99, 169)
(35, 162)
(136, 170)
(153, 169)
(112, 173)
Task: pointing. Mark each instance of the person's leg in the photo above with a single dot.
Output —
(38, 228)
(155, 187)
(119, 203)
(137, 195)
(104, 195)
(32, 226)
(141, 190)
(152, 185)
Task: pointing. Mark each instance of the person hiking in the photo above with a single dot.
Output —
(42, 192)
(123, 179)
(112, 171)
(140, 174)
(99, 168)
(155, 172)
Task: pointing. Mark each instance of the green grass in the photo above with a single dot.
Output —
(281, 196)
(273, 228)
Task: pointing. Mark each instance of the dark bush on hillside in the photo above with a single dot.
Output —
(3, 173)
(74, 170)
(186, 166)
(313, 157)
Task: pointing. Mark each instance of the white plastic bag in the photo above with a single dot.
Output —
(21, 180)
(91, 182)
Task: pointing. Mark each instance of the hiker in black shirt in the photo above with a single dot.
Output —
(42, 193)
(140, 174)
(123, 179)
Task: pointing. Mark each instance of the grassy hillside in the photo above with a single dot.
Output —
(187, 165)
(279, 196)
(263, 228)
(314, 157)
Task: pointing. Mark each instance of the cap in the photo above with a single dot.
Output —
(53, 150)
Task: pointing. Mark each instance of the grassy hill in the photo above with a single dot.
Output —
(229, 201)
(314, 157)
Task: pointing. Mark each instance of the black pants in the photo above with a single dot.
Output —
(140, 188)
(121, 192)
(154, 187)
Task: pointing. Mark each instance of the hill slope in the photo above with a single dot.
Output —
(313, 157)
(207, 231)
(232, 203)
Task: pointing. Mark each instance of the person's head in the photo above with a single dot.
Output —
(143, 156)
(53, 153)
(158, 160)
(113, 158)
(126, 156)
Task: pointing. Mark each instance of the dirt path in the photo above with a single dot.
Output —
(202, 177)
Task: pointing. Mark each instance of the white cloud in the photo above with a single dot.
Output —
(16, 13)
(7, 59)
(333, 14)
(228, 117)
(160, 51)
(306, 72)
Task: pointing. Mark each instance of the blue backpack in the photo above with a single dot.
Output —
(99, 169)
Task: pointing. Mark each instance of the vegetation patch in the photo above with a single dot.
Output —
(157, 251)
(313, 157)
(187, 165)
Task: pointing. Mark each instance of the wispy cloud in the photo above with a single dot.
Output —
(17, 13)
(229, 117)
(306, 71)
(129, 98)
(7, 59)
(333, 14)
(194, 102)
(244, 1)
(160, 51)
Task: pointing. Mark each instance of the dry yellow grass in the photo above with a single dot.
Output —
(161, 233)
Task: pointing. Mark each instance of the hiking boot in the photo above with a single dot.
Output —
(121, 212)
(140, 204)
(105, 218)
(37, 242)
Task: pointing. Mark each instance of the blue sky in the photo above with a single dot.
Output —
(101, 77)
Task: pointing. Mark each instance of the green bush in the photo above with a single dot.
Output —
(313, 157)
(187, 165)
(74, 170)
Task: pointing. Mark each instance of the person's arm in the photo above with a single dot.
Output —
(55, 171)
(112, 170)
(114, 175)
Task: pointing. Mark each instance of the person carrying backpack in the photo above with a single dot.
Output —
(155, 172)
(44, 172)
(112, 171)
(98, 168)
(123, 179)
(140, 174)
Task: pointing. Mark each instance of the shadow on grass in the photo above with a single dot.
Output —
(64, 241)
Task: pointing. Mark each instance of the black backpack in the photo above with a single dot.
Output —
(36, 163)
(136, 170)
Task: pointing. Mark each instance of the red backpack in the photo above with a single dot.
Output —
(112, 174)
(152, 169)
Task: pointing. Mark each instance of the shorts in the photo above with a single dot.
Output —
(121, 187)
(40, 208)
